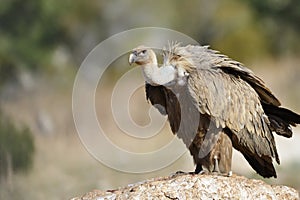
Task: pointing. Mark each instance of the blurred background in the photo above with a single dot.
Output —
(42, 44)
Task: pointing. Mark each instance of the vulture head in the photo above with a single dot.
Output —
(142, 56)
(166, 74)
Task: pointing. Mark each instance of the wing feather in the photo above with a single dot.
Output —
(156, 95)
(183, 116)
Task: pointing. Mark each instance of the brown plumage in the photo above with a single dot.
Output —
(214, 102)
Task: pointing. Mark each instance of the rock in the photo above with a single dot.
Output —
(187, 186)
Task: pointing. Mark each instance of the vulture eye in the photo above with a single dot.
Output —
(143, 52)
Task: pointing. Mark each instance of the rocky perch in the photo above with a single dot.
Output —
(184, 186)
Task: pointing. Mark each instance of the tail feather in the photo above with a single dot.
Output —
(281, 119)
(262, 165)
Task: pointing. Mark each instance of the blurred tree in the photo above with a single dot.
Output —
(16, 148)
(286, 13)
(29, 32)
(238, 33)
(32, 30)
(281, 22)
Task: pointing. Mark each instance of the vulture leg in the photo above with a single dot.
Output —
(217, 160)
(216, 165)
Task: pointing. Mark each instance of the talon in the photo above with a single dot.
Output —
(179, 173)
(204, 172)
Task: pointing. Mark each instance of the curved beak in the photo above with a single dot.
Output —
(132, 58)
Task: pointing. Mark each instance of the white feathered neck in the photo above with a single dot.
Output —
(156, 75)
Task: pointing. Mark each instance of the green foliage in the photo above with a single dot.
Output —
(238, 33)
(32, 30)
(280, 21)
(16, 147)
(29, 32)
(283, 12)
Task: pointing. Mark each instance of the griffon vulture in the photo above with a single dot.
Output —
(214, 103)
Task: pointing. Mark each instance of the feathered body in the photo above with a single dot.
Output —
(218, 104)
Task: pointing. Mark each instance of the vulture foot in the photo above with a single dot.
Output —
(198, 169)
